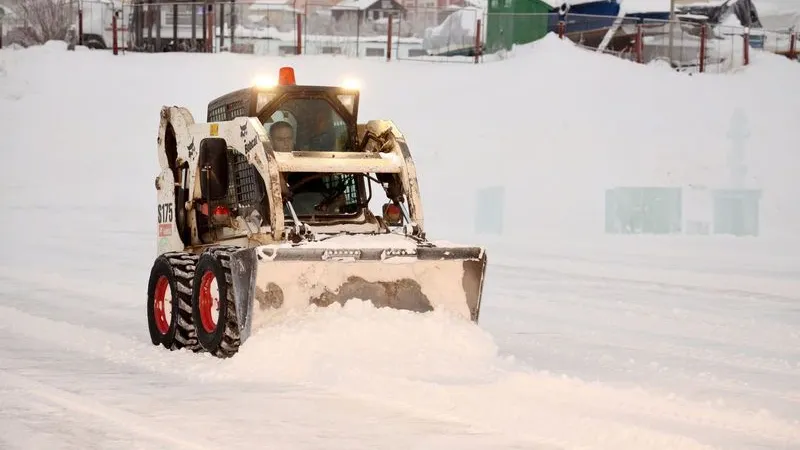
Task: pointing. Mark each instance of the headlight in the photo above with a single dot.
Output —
(351, 83)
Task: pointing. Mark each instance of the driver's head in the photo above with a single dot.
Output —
(281, 136)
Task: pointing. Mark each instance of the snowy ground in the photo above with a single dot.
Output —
(586, 341)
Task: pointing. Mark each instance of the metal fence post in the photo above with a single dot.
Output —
(233, 22)
(389, 39)
(175, 26)
(211, 31)
(702, 48)
(114, 42)
(639, 44)
(746, 49)
(477, 41)
(299, 27)
(80, 24)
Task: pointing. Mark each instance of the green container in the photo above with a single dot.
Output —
(512, 22)
(736, 211)
(643, 210)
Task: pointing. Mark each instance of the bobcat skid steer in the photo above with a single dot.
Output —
(266, 208)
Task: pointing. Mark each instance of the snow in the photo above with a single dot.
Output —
(585, 340)
(779, 14)
(642, 6)
(353, 4)
(455, 32)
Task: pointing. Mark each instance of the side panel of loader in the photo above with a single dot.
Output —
(168, 235)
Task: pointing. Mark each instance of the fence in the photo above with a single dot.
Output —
(383, 29)
(696, 47)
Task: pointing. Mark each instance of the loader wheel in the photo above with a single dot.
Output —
(213, 306)
(169, 301)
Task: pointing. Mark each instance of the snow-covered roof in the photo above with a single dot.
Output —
(272, 5)
(355, 4)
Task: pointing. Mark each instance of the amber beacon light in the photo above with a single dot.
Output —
(286, 76)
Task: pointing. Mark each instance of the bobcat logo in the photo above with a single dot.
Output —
(243, 131)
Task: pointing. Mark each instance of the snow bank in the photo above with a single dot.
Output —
(441, 368)
(554, 125)
(372, 343)
(576, 124)
(456, 32)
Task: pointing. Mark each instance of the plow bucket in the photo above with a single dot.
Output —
(421, 279)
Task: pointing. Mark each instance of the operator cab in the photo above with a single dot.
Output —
(304, 120)
(322, 118)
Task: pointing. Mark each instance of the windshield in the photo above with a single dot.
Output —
(307, 124)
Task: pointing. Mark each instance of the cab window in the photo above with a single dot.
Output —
(315, 125)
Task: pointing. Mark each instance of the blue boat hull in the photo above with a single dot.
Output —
(576, 18)
(578, 21)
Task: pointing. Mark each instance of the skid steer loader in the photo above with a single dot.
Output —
(266, 207)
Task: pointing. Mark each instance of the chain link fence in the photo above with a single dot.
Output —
(389, 29)
(684, 46)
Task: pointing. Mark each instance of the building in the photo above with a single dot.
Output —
(368, 11)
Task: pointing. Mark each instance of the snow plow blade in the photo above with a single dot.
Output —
(420, 279)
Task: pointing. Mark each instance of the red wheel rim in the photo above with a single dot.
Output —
(160, 305)
(209, 302)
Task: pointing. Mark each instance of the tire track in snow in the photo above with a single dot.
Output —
(201, 367)
(496, 411)
(485, 408)
(707, 344)
(661, 321)
(80, 404)
(764, 289)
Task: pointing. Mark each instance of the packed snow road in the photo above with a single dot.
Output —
(585, 341)
(77, 372)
